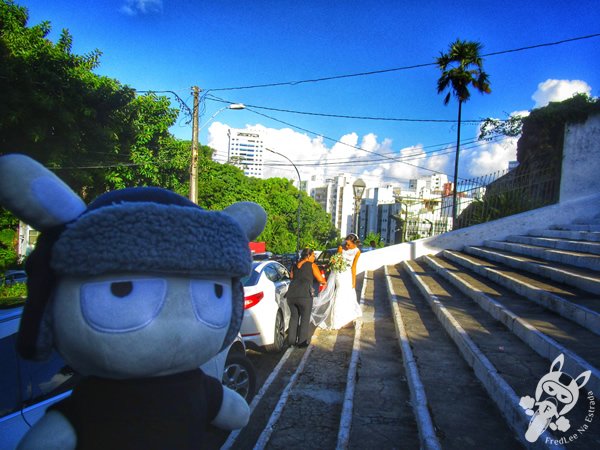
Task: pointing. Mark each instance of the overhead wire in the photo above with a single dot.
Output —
(368, 162)
(417, 154)
(374, 72)
(395, 69)
(395, 159)
(342, 116)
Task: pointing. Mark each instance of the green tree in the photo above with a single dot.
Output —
(54, 108)
(152, 155)
(8, 240)
(375, 237)
(223, 184)
(220, 185)
(90, 129)
(492, 128)
(461, 68)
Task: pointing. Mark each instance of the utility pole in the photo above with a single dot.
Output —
(194, 162)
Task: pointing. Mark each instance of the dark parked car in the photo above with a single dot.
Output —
(13, 277)
(323, 260)
(287, 259)
(261, 256)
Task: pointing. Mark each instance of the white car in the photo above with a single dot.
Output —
(27, 388)
(266, 312)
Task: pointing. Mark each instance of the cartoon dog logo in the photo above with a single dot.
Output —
(555, 395)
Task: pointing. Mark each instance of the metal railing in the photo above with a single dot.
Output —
(482, 199)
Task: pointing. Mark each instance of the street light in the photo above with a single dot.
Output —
(299, 198)
(359, 189)
(235, 106)
(195, 142)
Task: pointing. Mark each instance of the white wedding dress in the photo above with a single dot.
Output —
(336, 306)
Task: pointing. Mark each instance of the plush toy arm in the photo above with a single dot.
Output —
(53, 431)
(234, 412)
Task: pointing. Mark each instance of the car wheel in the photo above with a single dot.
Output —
(239, 375)
(279, 335)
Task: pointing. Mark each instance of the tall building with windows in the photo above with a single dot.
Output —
(336, 196)
(245, 151)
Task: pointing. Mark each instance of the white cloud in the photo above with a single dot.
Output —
(135, 7)
(558, 90)
(492, 157)
(523, 113)
(314, 158)
(483, 158)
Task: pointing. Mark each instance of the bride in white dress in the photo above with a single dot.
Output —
(336, 306)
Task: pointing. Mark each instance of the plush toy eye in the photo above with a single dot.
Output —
(120, 306)
(121, 289)
(212, 301)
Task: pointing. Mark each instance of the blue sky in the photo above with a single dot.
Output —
(176, 44)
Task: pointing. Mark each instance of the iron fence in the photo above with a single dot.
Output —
(481, 199)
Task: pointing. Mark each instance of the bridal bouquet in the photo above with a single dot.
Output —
(337, 263)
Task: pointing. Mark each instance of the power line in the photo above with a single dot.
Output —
(395, 69)
(181, 102)
(369, 162)
(417, 154)
(342, 116)
(343, 143)
(384, 156)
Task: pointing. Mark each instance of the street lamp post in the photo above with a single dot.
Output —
(299, 198)
(195, 142)
(359, 188)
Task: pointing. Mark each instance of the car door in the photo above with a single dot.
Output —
(26, 388)
(281, 282)
(280, 289)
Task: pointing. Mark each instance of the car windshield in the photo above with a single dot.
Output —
(252, 279)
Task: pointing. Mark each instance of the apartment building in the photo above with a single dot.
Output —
(246, 149)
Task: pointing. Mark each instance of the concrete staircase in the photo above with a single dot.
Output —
(511, 307)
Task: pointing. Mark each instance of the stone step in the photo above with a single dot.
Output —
(377, 422)
(590, 236)
(566, 257)
(572, 304)
(579, 246)
(578, 227)
(429, 351)
(502, 363)
(583, 279)
(519, 315)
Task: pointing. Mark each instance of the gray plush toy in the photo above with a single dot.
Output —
(135, 291)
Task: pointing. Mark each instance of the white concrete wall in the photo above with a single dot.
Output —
(581, 160)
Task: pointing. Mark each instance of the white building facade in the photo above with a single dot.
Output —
(336, 196)
(398, 214)
(393, 212)
(246, 151)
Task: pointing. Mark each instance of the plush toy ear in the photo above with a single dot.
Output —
(250, 216)
(35, 195)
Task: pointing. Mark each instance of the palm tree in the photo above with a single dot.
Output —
(461, 67)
